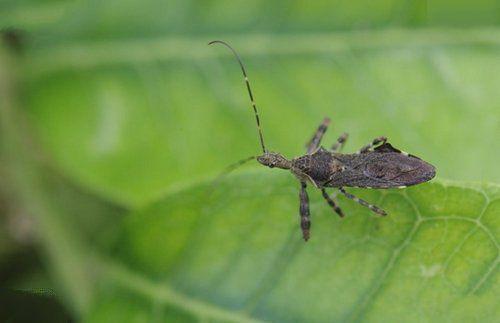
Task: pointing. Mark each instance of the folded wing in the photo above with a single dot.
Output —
(385, 167)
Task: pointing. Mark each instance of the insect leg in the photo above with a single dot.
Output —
(305, 221)
(313, 144)
(340, 142)
(332, 203)
(376, 141)
(362, 202)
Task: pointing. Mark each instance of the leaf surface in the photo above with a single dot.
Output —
(238, 255)
(134, 119)
(126, 105)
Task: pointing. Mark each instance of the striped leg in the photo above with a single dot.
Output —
(332, 203)
(362, 202)
(340, 142)
(375, 142)
(313, 144)
(305, 221)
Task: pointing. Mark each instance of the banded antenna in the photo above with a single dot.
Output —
(254, 106)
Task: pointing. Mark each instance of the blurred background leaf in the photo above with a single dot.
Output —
(110, 106)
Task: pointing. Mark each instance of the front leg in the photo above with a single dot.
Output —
(313, 144)
(305, 221)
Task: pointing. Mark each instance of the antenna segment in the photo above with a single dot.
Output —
(254, 106)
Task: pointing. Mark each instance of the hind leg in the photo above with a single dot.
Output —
(362, 202)
(375, 142)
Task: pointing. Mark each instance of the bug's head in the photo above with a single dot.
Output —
(272, 160)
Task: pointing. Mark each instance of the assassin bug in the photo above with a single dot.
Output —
(376, 165)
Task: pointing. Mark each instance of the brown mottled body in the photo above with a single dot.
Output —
(381, 167)
(385, 167)
(375, 165)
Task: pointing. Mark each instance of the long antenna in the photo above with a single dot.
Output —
(254, 106)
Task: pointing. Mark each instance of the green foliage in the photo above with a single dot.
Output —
(117, 113)
(134, 129)
(238, 251)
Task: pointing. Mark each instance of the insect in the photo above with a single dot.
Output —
(376, 165)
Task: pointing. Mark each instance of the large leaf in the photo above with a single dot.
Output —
(129, 102)
(131, 119)
(236, 253)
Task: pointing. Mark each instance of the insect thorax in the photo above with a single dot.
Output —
(317, 167)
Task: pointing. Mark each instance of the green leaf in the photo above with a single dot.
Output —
(235, 253)
(133, 105)
(134, 119)
(128, 102)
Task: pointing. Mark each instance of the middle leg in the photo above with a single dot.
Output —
(337, 146)
(332, 203)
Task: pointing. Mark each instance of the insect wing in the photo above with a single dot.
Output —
(384, 167)
(397, 169)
